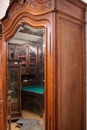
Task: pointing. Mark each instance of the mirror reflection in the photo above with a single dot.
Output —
(25, 69)
(14, 83)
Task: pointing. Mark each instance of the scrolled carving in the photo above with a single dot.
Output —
(32, 1)
(46, 4)
(25, 2)
(11, 15)
(21, 1)
(21, 22)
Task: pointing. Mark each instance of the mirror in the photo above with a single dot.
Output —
(25, 56)
(13, 73)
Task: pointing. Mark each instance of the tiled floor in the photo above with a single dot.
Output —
(27, 114)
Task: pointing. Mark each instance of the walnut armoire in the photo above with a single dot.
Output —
(65, 58)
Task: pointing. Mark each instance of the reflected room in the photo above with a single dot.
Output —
(25, 72)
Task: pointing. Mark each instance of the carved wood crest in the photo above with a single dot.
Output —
(33, 5)
(22, 2)
(38, 1)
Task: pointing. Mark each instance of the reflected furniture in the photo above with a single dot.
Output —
(32, 62)
(33, 94)
(14, 84)
(25, 68)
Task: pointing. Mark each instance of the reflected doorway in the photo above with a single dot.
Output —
(25, 72)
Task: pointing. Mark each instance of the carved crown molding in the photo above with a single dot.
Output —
(38, 1)
(33, 6)
(33, 3)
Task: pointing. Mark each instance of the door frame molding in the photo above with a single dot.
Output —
(36, 22)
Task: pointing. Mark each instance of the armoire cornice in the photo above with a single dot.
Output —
(45, 6)
(35, 7)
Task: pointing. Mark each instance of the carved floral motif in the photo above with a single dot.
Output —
(48, 4)
(32, 3)
(38, 1)
(21, 1)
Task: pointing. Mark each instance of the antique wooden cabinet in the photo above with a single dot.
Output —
(64, 58)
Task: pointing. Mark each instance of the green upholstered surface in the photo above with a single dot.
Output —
(36, 89)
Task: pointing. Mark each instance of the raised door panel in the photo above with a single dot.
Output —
(70, 86)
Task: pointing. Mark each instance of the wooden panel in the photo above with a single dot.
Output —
(73, 8)
(71, 72)
(14, 106)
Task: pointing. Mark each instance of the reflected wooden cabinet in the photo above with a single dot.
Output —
(14, 84)
(28, 54)
(40, 66)
(21, 53)
(31, 58)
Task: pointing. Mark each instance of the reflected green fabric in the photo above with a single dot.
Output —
(36, 89)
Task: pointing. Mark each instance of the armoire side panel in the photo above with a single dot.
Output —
(70, 86)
